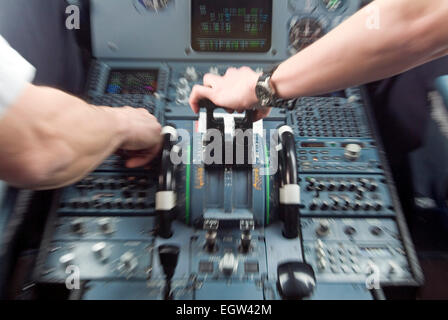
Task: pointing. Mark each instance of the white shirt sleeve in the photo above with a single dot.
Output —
(15, 73)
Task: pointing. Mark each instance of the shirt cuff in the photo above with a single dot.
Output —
(15, 73)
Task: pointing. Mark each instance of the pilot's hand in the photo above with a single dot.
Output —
(143, 140)
(233, 91)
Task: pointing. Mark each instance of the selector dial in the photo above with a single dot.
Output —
(323, 229)
(352, 152)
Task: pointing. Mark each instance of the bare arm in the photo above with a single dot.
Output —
(410, 33)
(49, 138)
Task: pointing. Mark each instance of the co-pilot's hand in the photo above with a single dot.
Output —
(143, 141)
(233, 91)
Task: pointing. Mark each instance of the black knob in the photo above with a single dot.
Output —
(342, 186)
(376, 231)
(349, 230)
(295, 280)
(169, 256)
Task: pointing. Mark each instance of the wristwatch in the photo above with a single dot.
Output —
(264, 91)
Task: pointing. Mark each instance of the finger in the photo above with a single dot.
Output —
(138, 162)
(230, 71)
(229, 110)
(211, 80)
(141, 160)
(197, 94)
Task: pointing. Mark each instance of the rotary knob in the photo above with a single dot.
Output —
(106, 225)
(67, 259)
(352, 152)
(101, 251)
(77, 226)
(191, 74)
(323, 229)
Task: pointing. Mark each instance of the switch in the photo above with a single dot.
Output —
(228, 264)
(210, 241)
(128, 262)
(191, 74)
(183, 84)
(246, 239)
(214, 70)
(393, 268)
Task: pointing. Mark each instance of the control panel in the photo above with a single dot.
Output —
(309, 211)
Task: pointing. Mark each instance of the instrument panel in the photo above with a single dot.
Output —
(198, 231)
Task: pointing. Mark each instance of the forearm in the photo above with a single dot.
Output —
(57, 138)
(410, 33)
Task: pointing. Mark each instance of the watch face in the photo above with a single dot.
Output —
(262, 92)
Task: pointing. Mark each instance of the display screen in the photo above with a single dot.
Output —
(132, 82)
(231, 25)
(313, 145)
